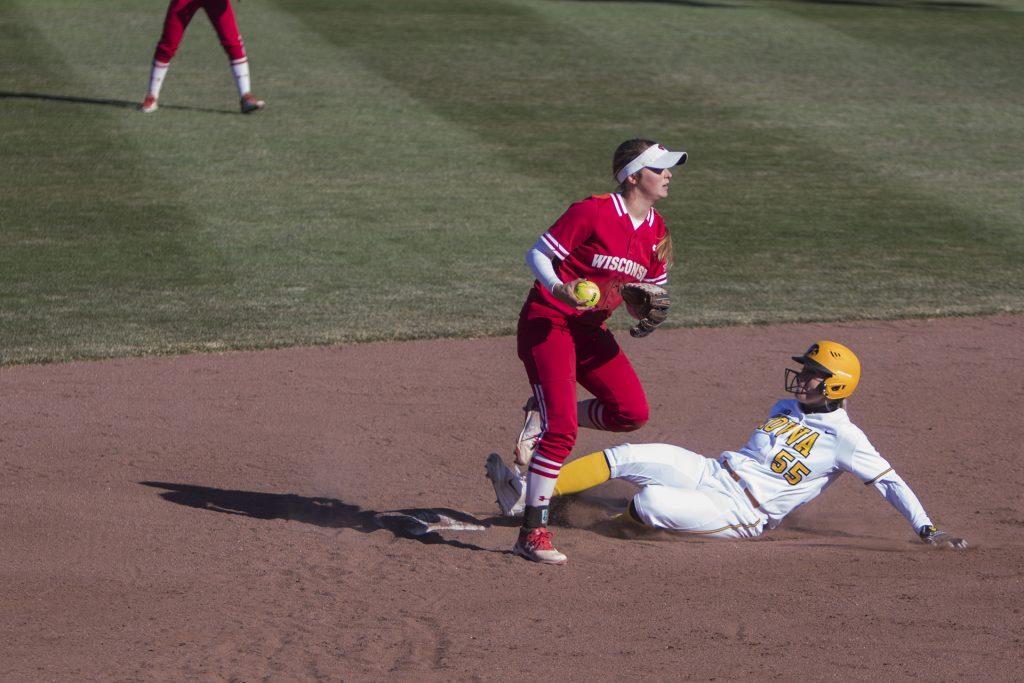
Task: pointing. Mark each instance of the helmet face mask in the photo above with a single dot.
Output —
(836, 363)
(794, 380)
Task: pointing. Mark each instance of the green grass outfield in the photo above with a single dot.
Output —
(847, 160)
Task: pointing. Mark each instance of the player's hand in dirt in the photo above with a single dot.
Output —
(940, 539)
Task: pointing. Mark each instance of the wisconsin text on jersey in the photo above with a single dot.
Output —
(619, 264)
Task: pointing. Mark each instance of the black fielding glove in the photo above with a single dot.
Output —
(647, 303)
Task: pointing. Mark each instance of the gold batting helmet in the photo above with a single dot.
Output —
(838, 362)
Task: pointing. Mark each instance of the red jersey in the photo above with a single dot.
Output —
(595, 239)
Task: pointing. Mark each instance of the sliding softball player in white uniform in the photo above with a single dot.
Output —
(796, 453)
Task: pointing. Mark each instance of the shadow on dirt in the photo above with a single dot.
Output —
(818, 537)
(419, 524)
(120, 104)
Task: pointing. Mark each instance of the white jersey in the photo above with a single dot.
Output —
(794, 456)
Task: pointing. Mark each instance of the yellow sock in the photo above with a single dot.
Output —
(582, 474)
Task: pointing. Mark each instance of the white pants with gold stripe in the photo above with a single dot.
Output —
(684, 491)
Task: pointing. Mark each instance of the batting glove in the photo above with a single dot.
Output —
(940, 539)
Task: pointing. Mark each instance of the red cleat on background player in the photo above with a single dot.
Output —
(148, 105)
(250, 104)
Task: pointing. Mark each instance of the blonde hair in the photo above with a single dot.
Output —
(664, 250)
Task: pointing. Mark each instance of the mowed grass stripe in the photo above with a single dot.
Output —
(348, 214)
(393, 221)
(858, 211)
(888, 234)
(399, 209)
(922, 96)
(411, 152)
(91, 237)
(786, 213)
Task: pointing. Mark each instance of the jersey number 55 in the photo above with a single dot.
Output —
(797, 470)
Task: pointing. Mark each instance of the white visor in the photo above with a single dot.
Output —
(655, 156)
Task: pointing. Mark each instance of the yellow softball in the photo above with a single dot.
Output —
(588, 293)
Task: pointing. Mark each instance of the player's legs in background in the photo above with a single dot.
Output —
(619, 403)
(179, 14)
(222, 16)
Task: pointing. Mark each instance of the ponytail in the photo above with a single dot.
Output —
(664, 250)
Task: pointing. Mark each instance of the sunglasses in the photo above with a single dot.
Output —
(655, 171)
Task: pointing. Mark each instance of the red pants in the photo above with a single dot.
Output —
(180, 13)
(558, 354)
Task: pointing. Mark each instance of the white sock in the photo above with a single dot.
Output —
(539, 490)
(241, 70)
(156, 77)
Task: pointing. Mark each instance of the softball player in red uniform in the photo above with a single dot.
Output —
(179, 14)
(611, 240)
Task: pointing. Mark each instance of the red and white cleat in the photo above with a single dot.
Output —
(535, 545)
(148, 105)
(249, 103)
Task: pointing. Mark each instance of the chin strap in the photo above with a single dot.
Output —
(827, 407)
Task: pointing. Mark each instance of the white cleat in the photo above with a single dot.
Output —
(509, 486)
(533, 427)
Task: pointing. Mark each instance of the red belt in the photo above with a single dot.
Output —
(736, 477)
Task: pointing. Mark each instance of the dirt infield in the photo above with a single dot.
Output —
(212, 517)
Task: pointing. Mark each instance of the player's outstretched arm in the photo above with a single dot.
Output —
(902, 497)
(940, 539)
